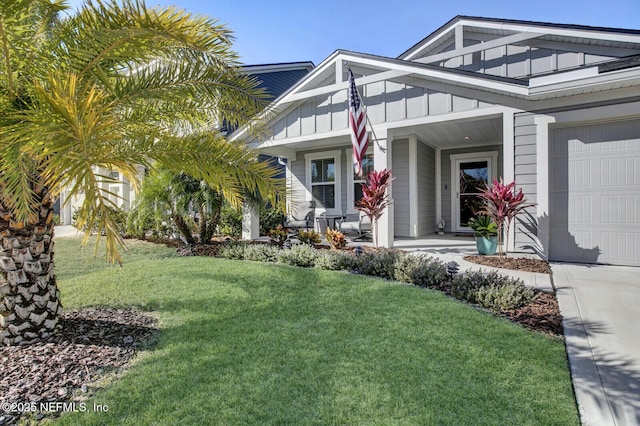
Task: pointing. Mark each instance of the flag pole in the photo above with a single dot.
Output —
(364, 107)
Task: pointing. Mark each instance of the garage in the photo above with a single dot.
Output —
(594, 193)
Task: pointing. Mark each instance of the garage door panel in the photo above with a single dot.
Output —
(595, 193)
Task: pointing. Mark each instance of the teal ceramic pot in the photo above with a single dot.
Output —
(487, 245)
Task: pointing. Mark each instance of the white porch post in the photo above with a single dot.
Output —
(250, 222)
(439, 185)
(542, 182)
(413, 186)
(508, 163)
(382, 160)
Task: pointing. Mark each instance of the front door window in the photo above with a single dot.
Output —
(473, 179)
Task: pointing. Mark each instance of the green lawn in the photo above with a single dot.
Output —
(253, 343)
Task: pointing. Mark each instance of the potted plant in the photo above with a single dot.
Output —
(502, 204)
(486, 233)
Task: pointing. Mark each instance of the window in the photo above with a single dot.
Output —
(323, 180)
(323, 177)
(354, 188)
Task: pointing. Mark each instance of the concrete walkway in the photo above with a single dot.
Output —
(601, 310)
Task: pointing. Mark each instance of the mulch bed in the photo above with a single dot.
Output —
(515, 263)
(91, 344)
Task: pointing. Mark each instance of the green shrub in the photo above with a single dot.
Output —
(379, 263)
(299, 255)
(261, 253)
(491, 290)
(421, 270)
(270, 217)
(335, 260)
(233, 250)
(230, 221)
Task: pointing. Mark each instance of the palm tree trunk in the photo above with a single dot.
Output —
(183, 229)
(30, 308)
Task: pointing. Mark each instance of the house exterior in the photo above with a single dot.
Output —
(554, 108)
(274, 78)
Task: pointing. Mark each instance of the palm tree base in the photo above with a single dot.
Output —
(30, 308)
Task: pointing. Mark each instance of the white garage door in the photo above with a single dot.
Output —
(595, 193)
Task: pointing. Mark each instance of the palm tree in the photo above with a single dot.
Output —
(115, 87)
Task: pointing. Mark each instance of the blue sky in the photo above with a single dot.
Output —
(277, 31)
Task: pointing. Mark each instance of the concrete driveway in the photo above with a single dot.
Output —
(601, 310)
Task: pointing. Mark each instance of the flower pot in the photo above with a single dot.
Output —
(487, 245)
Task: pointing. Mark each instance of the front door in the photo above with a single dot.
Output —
(471, 174)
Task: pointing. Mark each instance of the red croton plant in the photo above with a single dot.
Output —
(375, 198)
(503, 203)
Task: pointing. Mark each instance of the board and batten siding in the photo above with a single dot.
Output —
(525, 177)
(517, 61)
(386, 101)
(400, 185)
(426, 190)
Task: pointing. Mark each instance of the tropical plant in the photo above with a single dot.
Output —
(503, 203)
(279, 235)
(335, 238)
(309, 237)
(115, 87)
(483, 226)
(375, 198)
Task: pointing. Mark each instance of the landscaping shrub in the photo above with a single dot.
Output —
(233, 250)
(300, 255)
(230, 221)
(308, 237)
(335, 238)
(379, 263)
(279, 235)
(270, 218)
(335, 260)
(421, 270)
(491, 290)
(261, 253)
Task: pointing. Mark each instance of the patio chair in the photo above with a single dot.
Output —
(303, 215)
(357, 222)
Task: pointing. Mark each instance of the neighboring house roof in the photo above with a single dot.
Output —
(278, 78)
(275, 79)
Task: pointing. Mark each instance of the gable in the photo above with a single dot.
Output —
(387, 100)
(521, 49)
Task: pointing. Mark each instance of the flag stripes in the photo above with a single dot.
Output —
(358, 125)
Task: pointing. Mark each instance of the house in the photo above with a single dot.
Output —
(554, 107)
(274, 78)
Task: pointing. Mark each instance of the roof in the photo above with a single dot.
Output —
(278, 78)
(498, 21)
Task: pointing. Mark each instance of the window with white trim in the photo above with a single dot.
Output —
(323, 180)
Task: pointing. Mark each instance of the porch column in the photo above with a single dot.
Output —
(508, 163)
(413, 186)
(250, 222)
(381, 142)
(542, 182)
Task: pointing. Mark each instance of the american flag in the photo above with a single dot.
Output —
(358, 125)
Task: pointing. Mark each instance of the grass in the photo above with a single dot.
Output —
(252, 343)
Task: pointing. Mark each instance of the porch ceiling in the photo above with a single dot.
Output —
(456, 134)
